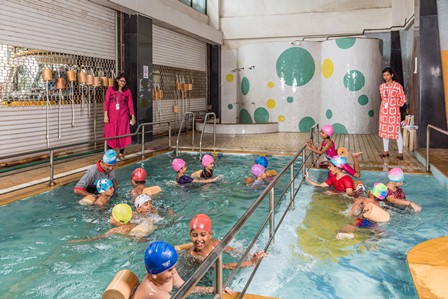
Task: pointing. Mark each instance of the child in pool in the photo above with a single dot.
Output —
(121, 215)
(259, 172)
(263, 161)
(180, 166)
(377, 193)
(138, 180)
(105, 188)
(395, 195)
(162, 277)
(203, 243)
(208, 162)
(327, 147)
(339, 180)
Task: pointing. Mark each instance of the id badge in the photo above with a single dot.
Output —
(117, 106)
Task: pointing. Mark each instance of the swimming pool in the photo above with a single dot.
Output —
(38, 261)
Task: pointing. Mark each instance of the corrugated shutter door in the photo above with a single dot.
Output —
(174, 49)
(74, 27)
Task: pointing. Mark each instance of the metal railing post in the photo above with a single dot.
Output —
(143, 141)
(51, 183)
(291, 189)
(169, 135)
(428, 136)
(218, 276)
(271, 218)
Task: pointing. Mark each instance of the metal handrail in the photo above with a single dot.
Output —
(215, 257)
(54, 148)
(180, 130)
(428, 136)
(203, 130)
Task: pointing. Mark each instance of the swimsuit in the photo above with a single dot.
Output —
(398, 193)
(340, 185)
(331, 152)
(185, 179)
(205, 174)
(364, 223)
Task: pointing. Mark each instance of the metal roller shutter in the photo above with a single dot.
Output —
(74, 27)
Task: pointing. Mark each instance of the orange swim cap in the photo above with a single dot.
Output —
(201, 222)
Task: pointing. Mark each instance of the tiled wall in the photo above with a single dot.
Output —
(333, 82)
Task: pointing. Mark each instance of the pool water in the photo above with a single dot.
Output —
(306, 260)
(38, 261)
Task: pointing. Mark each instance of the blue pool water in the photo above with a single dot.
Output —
(38, 261)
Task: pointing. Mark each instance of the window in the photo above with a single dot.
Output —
(198, 5)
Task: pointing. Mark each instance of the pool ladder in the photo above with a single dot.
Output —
(207, 115)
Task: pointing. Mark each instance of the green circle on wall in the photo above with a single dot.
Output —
(329, 113)
(245, 86)
(261, 115)
(354, 80)
(230, 106)
(290, 99)
(345, 43)
(371, 113)
(295, 66)
(363, 100)
(306, 123)
(340, 128)
(245, 117)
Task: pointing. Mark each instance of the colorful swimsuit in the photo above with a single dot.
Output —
(331, 152)
(340, 185)
(398, 193)
(205, 174)
(364, 223)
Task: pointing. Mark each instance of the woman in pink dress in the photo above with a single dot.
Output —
(117, 108)
(392, 98)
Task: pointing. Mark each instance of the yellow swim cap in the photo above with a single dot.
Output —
(122, 213)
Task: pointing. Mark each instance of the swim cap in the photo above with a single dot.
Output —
(257, 170)
(178, 164)
(379, 190)
(396, 175)
(328, 129)
(338, 161)
(103, 184)
(201, 222)
(141, 199)
(159, 257)
(207, 160)
(262, 161)
(139, 174)
(122, 213)
(110, 157)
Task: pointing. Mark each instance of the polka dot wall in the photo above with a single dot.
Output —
(333, 82)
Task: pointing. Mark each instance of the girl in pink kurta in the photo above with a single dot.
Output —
(392, 98)
(117, 108)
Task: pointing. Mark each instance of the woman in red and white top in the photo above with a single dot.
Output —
(392, 98)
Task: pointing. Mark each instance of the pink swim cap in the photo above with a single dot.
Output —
(328, 129)
(201, 222)
(257, 170)
(396, 175)
(178, 164)
(139, 174)
(207, 160)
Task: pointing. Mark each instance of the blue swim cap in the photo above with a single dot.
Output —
(110, 157)
(338, 161)
(159, 257)
(103, 184)
(262, 160)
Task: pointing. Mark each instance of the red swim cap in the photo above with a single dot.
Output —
(139, 174)
(201, 222)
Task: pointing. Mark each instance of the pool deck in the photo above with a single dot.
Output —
(14, 184)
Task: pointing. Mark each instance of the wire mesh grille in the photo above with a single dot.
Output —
(32, 77)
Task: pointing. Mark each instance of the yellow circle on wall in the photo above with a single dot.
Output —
(270, 84)
(229, 78)
(271, 104)
(327, 68)
(281, 118)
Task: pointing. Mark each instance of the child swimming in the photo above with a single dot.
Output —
(208, 162)
(105, 188)
(259, 172)
(327, 147)
(395, 195)
(180, 167)
(263, 161)
(138, 180)
(203, 243)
